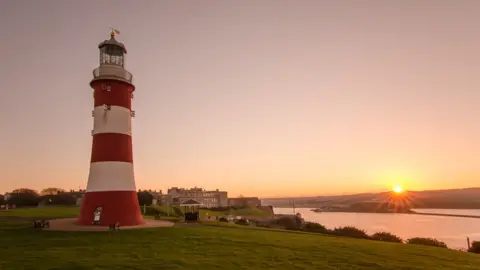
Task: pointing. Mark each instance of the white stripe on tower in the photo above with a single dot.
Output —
(115, 119)
(111, 166)
(119, 176)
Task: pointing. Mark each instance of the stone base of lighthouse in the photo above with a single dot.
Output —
(111, 207)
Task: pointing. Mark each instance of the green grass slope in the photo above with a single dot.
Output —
(248, 211)
(44, 212)
(55, 212)
(204, 247)
(212, 248)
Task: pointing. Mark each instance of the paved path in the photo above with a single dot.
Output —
(69, 224)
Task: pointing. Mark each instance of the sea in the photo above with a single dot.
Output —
(451, 230)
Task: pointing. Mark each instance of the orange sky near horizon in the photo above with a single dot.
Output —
(268, 99)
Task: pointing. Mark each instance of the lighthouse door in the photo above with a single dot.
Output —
(97, 215)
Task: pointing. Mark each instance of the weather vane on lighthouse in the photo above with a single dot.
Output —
(113, 32)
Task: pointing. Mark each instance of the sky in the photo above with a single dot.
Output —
(260, 98)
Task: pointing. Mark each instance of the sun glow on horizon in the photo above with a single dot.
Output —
(398, 189)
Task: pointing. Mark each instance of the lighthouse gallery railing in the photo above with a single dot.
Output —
(112, 71)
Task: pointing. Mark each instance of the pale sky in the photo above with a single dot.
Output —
(259, 98)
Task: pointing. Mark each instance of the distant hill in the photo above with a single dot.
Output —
(467, 198)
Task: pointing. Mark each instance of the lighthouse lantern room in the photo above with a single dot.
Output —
(111, 195)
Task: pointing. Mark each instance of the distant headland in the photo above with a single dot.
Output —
(386, 202)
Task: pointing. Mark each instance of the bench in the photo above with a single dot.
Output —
(40, 224)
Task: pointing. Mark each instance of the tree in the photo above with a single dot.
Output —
(427, 242)
(51, 191)
(475, 248)
(145, 198)
(23, 197)
(288, 222)
(59, 199)
(25, 190)
(2, 200)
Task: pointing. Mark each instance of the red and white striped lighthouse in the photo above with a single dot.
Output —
(111, 193)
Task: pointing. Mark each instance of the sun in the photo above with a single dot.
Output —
(398, 189)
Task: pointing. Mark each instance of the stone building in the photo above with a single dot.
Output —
(208, 199)
(244, 201)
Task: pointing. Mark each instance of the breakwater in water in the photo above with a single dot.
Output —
(445, 215)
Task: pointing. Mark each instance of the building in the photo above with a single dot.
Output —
(111, 195)
(207, 198)
(244, 201)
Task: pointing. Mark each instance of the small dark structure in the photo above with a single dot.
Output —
(114, 227)
(192, 211)
(40, 224)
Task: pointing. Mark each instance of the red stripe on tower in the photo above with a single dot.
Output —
(111, 193)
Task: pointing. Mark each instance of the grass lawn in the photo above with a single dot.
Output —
(250, 212)
(205, 247)
(46, 212)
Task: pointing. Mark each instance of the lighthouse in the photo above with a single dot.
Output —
(111, 194)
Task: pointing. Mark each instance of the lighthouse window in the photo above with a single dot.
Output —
(111, 55)
(105, 58)
(116, 60)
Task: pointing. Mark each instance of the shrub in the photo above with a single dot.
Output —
(223, 219)
(59, 199)
(314, 227)
(152, 211)
(145, 198)
(475, 247)
(426, 242)
(263, 225)
(386, 237)
(299, 220)
(288, 222)
(242, 221)
(350, 231)
(23, 199)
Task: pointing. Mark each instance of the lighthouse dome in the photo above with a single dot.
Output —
(112, 52)
(112, 42)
